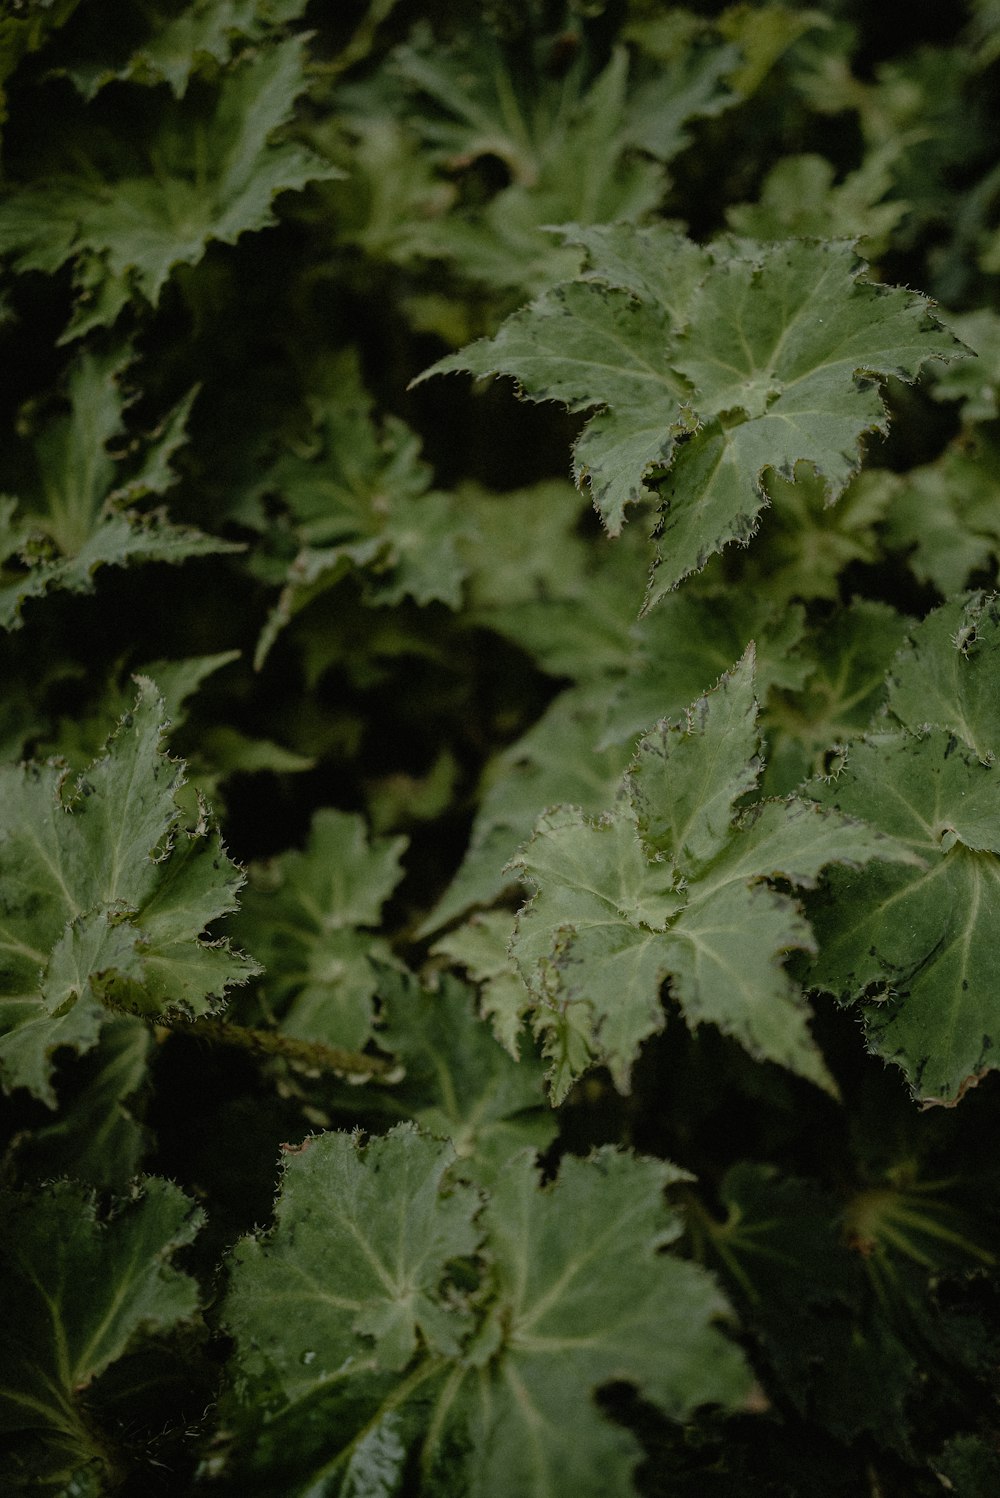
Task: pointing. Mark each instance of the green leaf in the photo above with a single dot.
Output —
(354, 1265)
(358, 498)
(96, 1137)
(675, 884)
(482, 948)
(798, 199)
(88, 1290)
(685, 645)
(805, 542)
(802, 1294)
(80, 737)
(556, 760)
(306, 915)
(574, 1292)
(843, 660)
(77, 502)
(196, 179)
(458, 1083)
(944, 676)
(105, 898)
(913, 943)
(20, 35)
(565, 141)
(586, 1296)
(533, 578)
(975, 383)
(177, 47)
(755, 357)
(943, 514)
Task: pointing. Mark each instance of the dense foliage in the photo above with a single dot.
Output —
(500, 876)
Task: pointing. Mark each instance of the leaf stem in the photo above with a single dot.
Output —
(311, 1053)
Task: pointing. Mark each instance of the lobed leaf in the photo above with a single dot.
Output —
(308, 914)
(104, 899)
(572, 1292)
(759, 357)
(676, 884)
(196, 179)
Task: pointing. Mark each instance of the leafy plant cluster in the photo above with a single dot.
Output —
(499, 876)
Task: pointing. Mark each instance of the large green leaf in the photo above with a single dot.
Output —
(84, 1291)
(714, 366)
(677, 883)
(106, 895)
(380, 1348)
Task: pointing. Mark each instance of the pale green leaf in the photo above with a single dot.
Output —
(106, 896)
(685, 781)
(88, 1290)
(586, 1297)
(761, 357)
(589, 943)
(673, 885)
(572, 1293)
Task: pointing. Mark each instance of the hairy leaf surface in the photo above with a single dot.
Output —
(573, 1292)
(758, 357)
(675, 884)
(104, 898)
